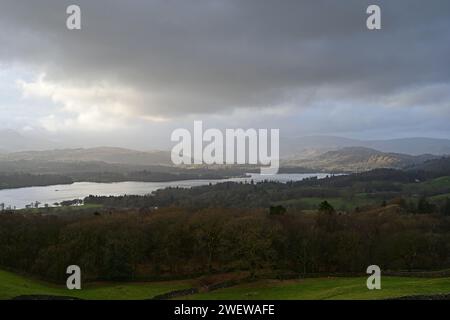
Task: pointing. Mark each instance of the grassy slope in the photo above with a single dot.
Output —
(12, 285)
(330, 288)
(432, 186)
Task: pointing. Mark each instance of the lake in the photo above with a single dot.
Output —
(21, 197)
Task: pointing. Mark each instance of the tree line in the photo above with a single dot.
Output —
(179, 242)
(374, 187)
(20, 180)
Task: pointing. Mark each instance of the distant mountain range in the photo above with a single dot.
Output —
(349, 159)
(325, 153)
(310, 146)
(291, 147)
(353, 159)
(101, 154)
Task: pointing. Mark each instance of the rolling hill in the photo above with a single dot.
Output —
(353, 159)
(439, 165)
(324, 153)
(310, 146)
(101, 154)
(13, 285)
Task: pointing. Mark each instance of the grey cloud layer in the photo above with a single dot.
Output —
(198, 56)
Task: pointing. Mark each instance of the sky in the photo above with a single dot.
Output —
(139, 69)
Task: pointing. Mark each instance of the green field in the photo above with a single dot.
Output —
(329, 288)
(12, 285)
(434, 186)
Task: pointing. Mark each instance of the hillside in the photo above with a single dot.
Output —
(353, 159)
(309, 146)
(13, 285)
(322, 153)
(100, 154)
(439, 165)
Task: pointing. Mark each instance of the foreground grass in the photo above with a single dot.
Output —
(12, 285)
(328, 288)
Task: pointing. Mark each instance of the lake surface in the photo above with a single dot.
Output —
(21, 197)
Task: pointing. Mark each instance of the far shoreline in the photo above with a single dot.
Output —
(56, 193)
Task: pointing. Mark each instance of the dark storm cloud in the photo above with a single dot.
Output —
(197, 56)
